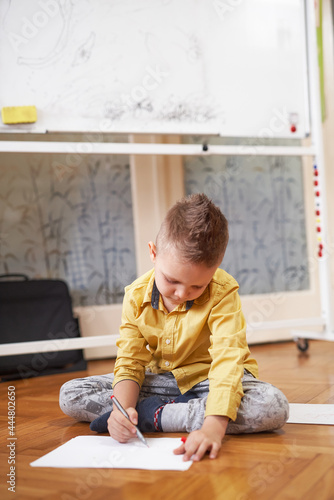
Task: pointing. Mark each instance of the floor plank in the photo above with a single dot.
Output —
(296, 462)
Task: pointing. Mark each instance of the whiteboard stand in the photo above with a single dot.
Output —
(301, 337)
(66, 344)
(315, 151)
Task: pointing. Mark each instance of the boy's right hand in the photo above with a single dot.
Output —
(120, 428)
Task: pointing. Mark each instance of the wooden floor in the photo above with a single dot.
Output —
(296, 462)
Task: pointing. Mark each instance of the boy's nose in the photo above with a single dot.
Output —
(181, 293)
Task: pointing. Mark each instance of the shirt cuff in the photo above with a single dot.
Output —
(222, 403)
(128, 376)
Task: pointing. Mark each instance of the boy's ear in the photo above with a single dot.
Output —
(153, 251)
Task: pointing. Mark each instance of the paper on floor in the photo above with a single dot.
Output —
(105, 452)
(311, 414)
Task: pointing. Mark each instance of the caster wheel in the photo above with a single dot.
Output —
(302, 345)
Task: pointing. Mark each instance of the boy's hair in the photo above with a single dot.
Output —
(197, 229)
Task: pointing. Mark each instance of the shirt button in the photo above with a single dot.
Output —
(167, 341)
(166, 363)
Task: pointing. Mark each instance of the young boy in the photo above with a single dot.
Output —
(183, 363)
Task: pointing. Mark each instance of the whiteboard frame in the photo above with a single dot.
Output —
(285, 36)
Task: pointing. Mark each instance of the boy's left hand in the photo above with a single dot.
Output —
(208, 438)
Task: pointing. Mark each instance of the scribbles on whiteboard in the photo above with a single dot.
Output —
(84, 52)
(58, 36)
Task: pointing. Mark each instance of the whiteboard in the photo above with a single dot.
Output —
(234, 67)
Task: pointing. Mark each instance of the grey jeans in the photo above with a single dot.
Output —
(263, 406)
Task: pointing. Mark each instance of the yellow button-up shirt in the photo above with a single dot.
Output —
(202, 339)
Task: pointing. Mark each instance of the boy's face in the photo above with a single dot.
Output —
(177, 281)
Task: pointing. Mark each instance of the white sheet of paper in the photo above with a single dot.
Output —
(105, 452)
(311, 414)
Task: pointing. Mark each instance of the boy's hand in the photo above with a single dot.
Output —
(120, 428)
(208, 438)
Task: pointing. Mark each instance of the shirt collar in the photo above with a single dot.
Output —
(152, 295)
(156, 296)
(204, 297)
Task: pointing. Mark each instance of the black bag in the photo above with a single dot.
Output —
(36, 310)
